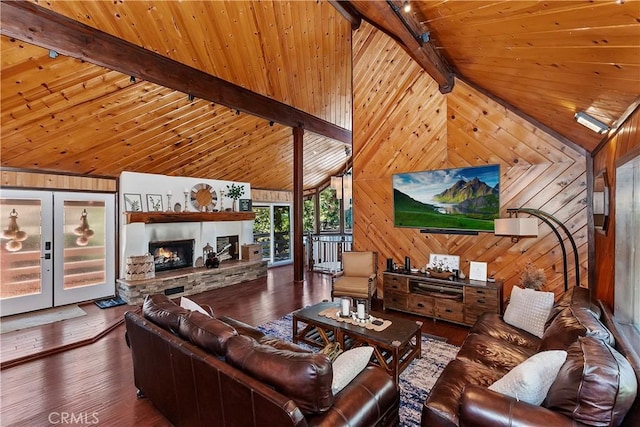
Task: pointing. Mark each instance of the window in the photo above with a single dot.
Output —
(329, 211)
(627, 251)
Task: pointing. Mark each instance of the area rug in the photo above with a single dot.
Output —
(415, 382)
(39, 318)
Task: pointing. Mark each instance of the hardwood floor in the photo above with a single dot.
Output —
(93, 383)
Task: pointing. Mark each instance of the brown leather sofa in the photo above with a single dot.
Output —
(202, 371)
(595, 386)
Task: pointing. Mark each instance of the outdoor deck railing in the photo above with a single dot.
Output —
(324, 252)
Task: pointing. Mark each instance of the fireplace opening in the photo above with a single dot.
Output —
(232, 243)
(172, 254)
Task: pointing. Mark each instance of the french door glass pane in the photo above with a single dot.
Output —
(84, 244)
(20, 268)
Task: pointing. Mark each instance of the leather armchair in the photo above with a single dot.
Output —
(358, 278)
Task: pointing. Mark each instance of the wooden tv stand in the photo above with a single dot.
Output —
(457, 301)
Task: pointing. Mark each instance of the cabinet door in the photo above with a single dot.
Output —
(421, 304)
(395, 283)
(449, 310)
(395, 300)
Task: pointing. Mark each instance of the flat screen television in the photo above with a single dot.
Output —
(448, 200)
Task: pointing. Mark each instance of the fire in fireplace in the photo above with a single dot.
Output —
(172, 254)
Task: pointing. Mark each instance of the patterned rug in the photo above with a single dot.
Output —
(415, 381)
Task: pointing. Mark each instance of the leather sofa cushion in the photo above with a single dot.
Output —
(442, 405)
(491, 324)
(574, 297)
(243, 328)
(571, 323)
(304, 377)
(493, 353)
(163, 312)
(206, 332)
(282, 345)
(595, 386)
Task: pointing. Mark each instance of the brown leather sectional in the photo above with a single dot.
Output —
(202, 371)
(596, 386)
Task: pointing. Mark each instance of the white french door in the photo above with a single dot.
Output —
(57, 248)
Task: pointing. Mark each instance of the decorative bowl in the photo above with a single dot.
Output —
(440, 274)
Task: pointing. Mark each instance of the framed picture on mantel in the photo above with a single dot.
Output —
(244, 205)
(154, 203)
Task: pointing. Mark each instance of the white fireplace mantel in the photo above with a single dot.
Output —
(137, 229)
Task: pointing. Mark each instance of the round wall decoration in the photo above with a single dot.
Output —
(203, 197)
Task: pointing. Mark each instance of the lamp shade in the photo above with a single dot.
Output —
(522, 227)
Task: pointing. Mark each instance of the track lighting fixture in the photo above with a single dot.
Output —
(271, 123)
(237, 112)
(132, 79)
(53, 54)
(590, 122)
(407, 7)
(191, 97)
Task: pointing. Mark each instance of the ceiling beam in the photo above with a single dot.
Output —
(42, 27)
(348, 12)
(382, 15)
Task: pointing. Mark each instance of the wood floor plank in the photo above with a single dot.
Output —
(95, 381)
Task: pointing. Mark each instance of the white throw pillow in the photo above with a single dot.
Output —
(528, 309)
(348, 365)
(193, 306)
(531, 380)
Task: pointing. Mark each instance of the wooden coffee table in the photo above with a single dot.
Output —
(393, 348)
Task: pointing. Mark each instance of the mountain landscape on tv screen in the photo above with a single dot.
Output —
(465, 205)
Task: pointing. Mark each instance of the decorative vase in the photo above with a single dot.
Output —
(233, 205)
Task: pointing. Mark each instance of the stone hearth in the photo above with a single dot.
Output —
(189, 281)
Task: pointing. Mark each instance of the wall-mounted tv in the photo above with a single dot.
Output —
(448, 200)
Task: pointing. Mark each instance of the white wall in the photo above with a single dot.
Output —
(135, 237)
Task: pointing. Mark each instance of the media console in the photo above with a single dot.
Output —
(457, 301)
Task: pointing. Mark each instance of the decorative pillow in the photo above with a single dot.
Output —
(348, 365)
(192, 305)
(530, 381)
(528, 310)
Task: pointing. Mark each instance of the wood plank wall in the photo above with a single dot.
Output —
(50, 181)
(402, 123)
(624, 144)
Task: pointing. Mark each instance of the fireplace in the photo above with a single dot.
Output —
(224, 241)
(172, 254)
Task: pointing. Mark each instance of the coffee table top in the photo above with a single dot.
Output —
(400, 329)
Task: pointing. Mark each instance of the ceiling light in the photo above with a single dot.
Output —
(595, 125)
(406, 7)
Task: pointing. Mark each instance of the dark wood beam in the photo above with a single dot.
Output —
(42, 27)
(383, 16)
(298, 208)
(348, 12)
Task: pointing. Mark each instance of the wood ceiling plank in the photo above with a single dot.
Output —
(45, 28)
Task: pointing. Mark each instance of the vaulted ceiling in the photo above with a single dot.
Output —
(101, 108)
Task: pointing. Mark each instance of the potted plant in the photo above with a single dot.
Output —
(532, 277)
(235, 192)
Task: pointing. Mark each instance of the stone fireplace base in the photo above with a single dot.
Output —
(189, 281)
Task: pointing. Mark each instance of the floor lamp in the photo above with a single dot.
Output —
(528, 227)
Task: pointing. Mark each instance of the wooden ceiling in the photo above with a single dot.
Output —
(66, 114)
(546, 59)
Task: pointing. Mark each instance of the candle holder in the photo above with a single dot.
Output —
(186, 194)
(169, 208)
